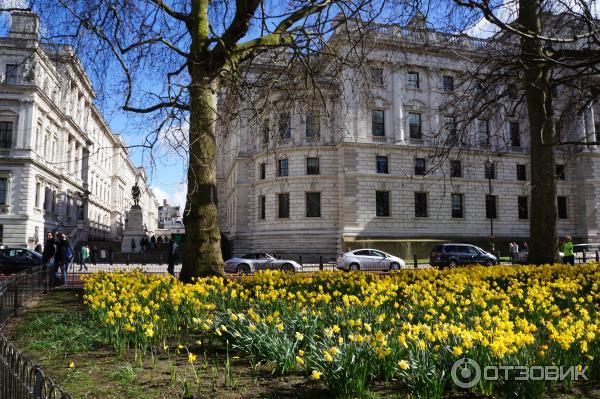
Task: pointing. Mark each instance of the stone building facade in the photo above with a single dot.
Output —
(366, 169)
(61, 167)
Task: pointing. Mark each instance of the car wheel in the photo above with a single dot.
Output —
(354, 267)
(287, 267)
(394, 267)
(452, 263)
(490, 262)
(243, 269)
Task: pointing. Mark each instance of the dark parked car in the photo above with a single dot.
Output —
(451, 255)
(15, 260)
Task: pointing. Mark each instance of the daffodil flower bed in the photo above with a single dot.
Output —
(351, 329)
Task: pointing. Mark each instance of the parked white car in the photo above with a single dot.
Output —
(256, 261)
(369, 259)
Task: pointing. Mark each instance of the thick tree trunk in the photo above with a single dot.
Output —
(202, 254)
(202, 250)
(543, 230)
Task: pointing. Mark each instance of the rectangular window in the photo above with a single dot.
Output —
(283, 201)
(377, 76)
(11, 74)
(377, 123)
(455, 169)
(414, 125)
(512, 91)
(38, 192)
(6, 133)
(523, 207)
(69, 205)
(560, 172)
(562, 207)
(420, 166)
(448, 83)
(313, 205)
(515, 134)
(285, 126)
(263, 171)
(413, 80)
(266, 133)
(491, 207)
(1, 233)
(382, 203)
(521, 172)
(457, 206)
(483, 131)
(282, 167)
(262, 200)
(46, 199)
(421, 205)
(3, 190)
(481, 90)
(312, 125)
(450, 128)
(382, 164)
(312, 166)
(490, 170)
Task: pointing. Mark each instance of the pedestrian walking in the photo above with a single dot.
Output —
(38, 247)
(133, 245)
(84, 257)
(48, 258)
(152, 242)
(511, 249)
(61, 258)
(172, 257)
(567, 248)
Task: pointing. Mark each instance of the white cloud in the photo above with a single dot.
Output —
(507, 12)
(177, 198)
(160, 194)
(484, 29)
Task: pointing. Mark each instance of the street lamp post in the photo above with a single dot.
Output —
(490, 164)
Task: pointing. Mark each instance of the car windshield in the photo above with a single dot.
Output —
(248, 256)
(477, 250)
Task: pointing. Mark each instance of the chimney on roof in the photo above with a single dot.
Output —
(165, 202)
(24, 25)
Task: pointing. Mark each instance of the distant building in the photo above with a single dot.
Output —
(302, 179)
(61, 167)
(169, 216)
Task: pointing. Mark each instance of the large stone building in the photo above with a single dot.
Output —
(365, 169)
(61, 167)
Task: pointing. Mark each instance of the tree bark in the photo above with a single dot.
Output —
(202, 254)
(543, 229)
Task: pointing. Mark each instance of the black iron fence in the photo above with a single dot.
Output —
(20, 378)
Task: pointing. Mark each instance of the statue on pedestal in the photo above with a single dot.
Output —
(136, 194)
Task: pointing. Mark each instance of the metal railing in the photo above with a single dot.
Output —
(20, 378)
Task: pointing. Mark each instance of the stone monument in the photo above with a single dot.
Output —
(134, 231)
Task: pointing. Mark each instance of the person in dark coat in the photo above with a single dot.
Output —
(48, 258)
(38, 247)
(172, 257)
(61, 260)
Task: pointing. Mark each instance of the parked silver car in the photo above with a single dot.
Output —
(369, 259)
(256, 261)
